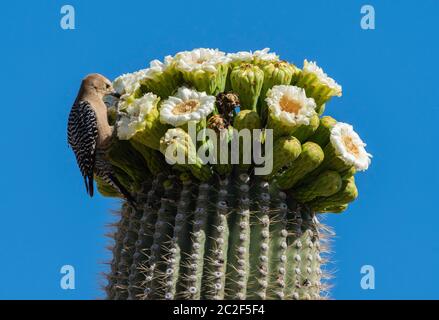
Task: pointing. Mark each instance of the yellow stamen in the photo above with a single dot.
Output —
(351, 146)
(186, 107)
(289, 105)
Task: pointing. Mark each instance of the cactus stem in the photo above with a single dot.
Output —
(260, 239)
(198, 240)
(126, 253)
(112, 287)
(278, 246)
(135, 277)
(238, 253)
(145, 238)
(161, 236)
(293, 251)
(218, 245)
(306, 264)
(178, 244)
(316, 272)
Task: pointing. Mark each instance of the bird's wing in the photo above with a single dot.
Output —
(82, 135)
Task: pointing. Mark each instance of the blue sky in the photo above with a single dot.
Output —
(389, 81)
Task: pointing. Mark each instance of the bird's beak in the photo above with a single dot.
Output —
(115, 94)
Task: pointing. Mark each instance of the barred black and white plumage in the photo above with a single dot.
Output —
(89, 134)
(104, 170)
(82, 135)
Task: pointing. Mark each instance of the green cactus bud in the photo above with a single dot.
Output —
(247, 119)
(309, 159)
(204, 69)
(326, 184)
(246, 80)
(346, 174)
(178, 148)
(140, 121)
(259, 58)
(304, 131)
(347, 193)
(321, 135)
(335, 209)
(317, 84)
(160, 78)
(320, 110)
(154, 159)
(126, 158)
(275, 73)
(285, 151)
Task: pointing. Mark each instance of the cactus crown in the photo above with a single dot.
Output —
(216, 229)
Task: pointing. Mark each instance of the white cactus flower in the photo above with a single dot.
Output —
(187, 105)
(265, 55)
(200, 59)
(311, 67)
(241, 56)
(127, 83)
(349, 146)
(248, 56)
(290, 105)
(133, 119)
(157, 67)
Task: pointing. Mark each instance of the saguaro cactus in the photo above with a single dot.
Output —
(218, 230)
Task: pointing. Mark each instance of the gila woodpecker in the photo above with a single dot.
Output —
(89, 133)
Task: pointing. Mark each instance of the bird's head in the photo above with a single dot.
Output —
(98, 84)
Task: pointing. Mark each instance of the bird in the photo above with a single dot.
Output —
(89, 134)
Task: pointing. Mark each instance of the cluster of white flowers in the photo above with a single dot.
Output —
(248, 56)
(133, 119)
(200, 59)
(311, 67)
(290, 105)
(127, 83)
(186, 105)
(157, 67)
(349, 146)
(287, 103)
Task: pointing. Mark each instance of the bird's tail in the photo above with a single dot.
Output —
(88, 180)
(122, 190)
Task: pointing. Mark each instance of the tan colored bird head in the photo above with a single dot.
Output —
(96, 83)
